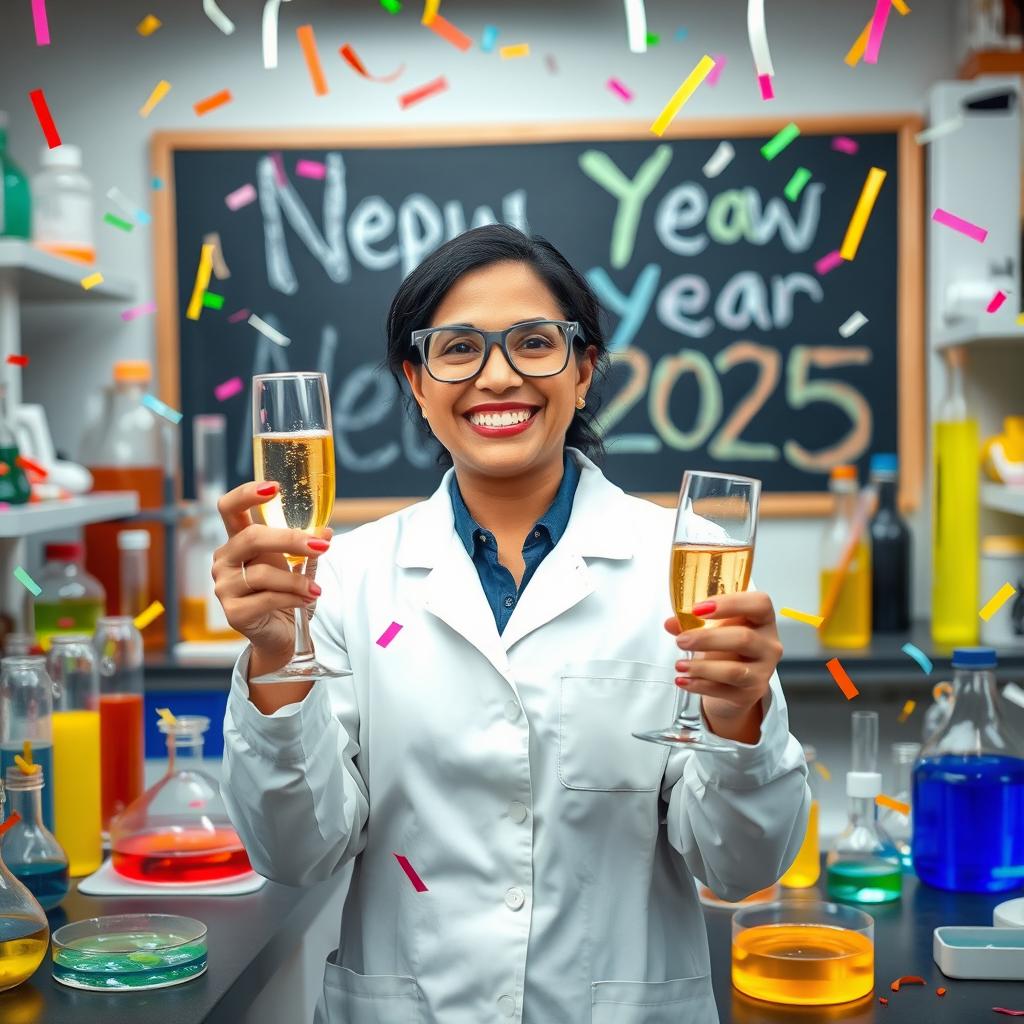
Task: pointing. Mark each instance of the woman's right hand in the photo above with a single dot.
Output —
(262, 611)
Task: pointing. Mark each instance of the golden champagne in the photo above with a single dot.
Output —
(702, 571)
(302, 466)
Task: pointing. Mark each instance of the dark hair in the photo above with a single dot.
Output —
(424, 288)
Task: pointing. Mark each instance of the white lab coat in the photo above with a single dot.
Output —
(558, 851)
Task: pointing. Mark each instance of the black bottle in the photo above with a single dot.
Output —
(890, 553)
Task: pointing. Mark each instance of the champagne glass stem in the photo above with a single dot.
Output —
(303, 641)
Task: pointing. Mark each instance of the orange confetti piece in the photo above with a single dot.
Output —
(883, 1000)
(13, 818)
(907, 979)
(407, 99)
(218, 99)
(822, 771)
(32, 466)
(441, 26)
(17, 360)
(894, 805)
(908, 710)
(843, 681)
(351, 58)
(4, 469)
(940, 991)
(307, 40)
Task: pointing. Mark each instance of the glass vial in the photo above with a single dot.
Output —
(26, 715)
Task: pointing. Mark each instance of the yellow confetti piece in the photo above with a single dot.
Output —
(822, 771)
(997, 600)
(810, 620)
(517, 50)
(908, 710)
(160, 90)
(704, 67)
(430, 9)
(1020, 320)
(859, 221)
(144, 618)
(166, 716)
(894, 805)
(149, 24)
(27, 767)
(92, 280)
(860, 44)
(26, 751)
(202, 282)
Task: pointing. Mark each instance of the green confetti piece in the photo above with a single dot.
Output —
(774, 146)
(795, 185)
(117, 222)
(391, 6)
(653, 39)
(27, 582)
(211, 301)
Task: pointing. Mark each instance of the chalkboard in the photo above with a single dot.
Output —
(725, 337)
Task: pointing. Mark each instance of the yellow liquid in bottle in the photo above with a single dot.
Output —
(803, 964)
(955, 599)
(22, 948)
(76, 788)
(806, 869)
(849, 625)
(193, 622)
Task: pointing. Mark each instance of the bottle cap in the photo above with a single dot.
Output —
(133, 540)
(884, 463)
(974, 657)
(64, 155)
(133, 370)
(866, 785)
(844, 473)
(69, 552)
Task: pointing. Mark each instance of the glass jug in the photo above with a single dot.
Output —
(30, 849)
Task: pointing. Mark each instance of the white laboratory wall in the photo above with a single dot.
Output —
(98, 72)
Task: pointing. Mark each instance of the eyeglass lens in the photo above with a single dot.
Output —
(535, 350)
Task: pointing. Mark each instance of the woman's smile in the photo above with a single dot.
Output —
(501, 419)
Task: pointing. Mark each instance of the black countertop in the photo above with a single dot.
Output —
(248, 937)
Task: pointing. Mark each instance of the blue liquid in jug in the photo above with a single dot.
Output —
(46, 880)
(43, 756)
(969, 822)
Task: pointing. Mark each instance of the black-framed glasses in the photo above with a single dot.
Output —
(539, 348)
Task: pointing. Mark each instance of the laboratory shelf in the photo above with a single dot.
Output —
(1003, 498)
(38, 276)
(970, 335)
(65, 514)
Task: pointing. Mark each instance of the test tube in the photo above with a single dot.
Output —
(210, 458)
(865, 741)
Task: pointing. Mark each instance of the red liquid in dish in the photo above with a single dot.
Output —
(189, 855)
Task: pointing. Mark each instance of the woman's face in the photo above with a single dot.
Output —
(492, 299)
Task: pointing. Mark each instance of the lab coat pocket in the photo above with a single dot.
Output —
(689, 1000)
(602, 704)
(351, 998)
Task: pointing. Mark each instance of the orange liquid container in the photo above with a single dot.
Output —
(121, 746)
(181, 856)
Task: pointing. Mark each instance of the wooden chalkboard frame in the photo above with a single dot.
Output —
(909, 233)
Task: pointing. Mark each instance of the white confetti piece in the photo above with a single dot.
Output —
(636, 25)
(269, 332)
(720, 159)
(271, 9)
(855, 322)
(218, 17)
(938, 130)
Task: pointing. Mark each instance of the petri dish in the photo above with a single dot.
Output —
(129, 952)
(803, 953)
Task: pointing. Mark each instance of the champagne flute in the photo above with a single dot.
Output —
(712, 554)
(293, 445)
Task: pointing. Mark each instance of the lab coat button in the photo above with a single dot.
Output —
(507, 1006)
(517, 812)
(515, 898)
(512, 710)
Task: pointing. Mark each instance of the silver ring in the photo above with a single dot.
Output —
(244, 580)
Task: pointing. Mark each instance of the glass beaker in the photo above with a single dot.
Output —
(806, 869)
(969, 788)
(26, 714)
(899, 826)
(30, 849)
(179, 830)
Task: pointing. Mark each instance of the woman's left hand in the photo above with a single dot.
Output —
(732, 662)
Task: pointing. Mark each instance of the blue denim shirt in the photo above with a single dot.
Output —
(497, 582)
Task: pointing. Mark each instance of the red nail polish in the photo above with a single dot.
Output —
(317, 545)
(315, 590)
(682, 682)
(265, 490)
(704, 608)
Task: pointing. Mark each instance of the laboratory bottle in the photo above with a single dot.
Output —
(24, 931)
(14, 486)
(806, 869)
(76, 751)
(890, 552)
(955, 512)
(849, 624)
(133, 556)
(70, 600)
(26, 715)
(862, 865)
(969, 788)
(179, 830)
(63, 217)
(29, 848)
(19, 643)
(119, 658)
(899, 826)
(939, 710)
(130, 453)
(15, 196)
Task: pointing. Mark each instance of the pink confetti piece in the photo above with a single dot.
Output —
(137, 311)
(1007, 1013)
(765, 83)
(417, 882)
(828, 262)
(716, 72)
(965, 227)
(878, 23)
(620, 89)
(844, 144)
(39, 23)
(311, 169)
(997, 300)
(278, 162)
(228, 389)
(241, 314)
(389, 634)
(240, 197)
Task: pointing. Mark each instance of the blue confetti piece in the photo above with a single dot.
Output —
(154, 403)
(142, 217)
(27, 582)
(919, 656)
(681, 34)
(489, 38)
(157, 183)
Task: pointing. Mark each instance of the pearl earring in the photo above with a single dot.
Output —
(580, 401)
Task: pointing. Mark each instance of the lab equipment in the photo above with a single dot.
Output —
(806, 869)
(70, 601)
(14, 485)
(133, 560)
(26, 715)
(899, 826)
(30, 850)
(846, 566)
(63, 220)
(15, 197)
(995, 954)
(890, 552)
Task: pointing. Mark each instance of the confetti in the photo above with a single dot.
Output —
(220, 267)
(166, 715)
(852, 324)
(118, 222)
(1012, 692)
(512, 52)
(155, 610)
(228, 389)
(720, 159)
(242, 196)
(827, 262)
(218, 17)
(965, 227)
(27, 582)
(489, 38)
(878, 22)
(268, 332)
(856, 52)
(157, 183)
(388, 635)
(909, 979)
(810, 620)
(149, 24)
(39, 23)
(12, 819)
(716, 72)
(893, 805)
(636, 25)
(50, 132)
(430, 9)
(653, 39)
(30, 465)
(160, 90)
(919, 656)
(996, 301)
(865, 204)
(883, 1000)
(843, 681)
(154, 404)
(757, 33)
(237, 317)
(442, 27)
(439, 84)
(682, 94)
(311, 169)
(352, 59)
(796, 184)
(936, 131)
(619, 89)
(764, 83)
(213, 301)
(17, 360)
(218, 99)
(27, 767)
(940, 991)
(271, 10)
(307, 40)
(778, 142)
(417, 882)
(822, 771)
(995, 1009)
(137, 311)
(132, 209)
(681, 34)
(201, 282)
(908, 710)
(391, 6)
(997, 600)
(844, 144)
